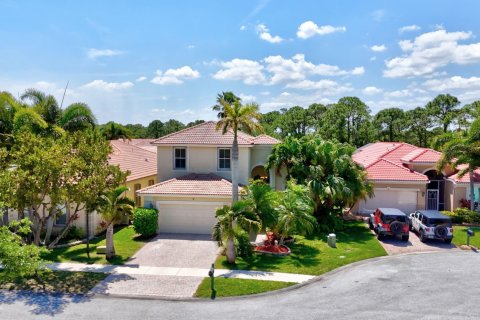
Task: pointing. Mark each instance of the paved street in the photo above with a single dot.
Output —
(443, 285)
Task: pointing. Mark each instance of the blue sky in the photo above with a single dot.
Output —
(136, 61)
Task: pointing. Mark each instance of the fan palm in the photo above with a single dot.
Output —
(232, 220)
(113, 206)
(238, 117)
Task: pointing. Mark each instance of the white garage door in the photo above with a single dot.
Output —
(405, 200)
(187, 217)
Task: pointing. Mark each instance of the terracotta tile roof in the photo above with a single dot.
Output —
(466, 178)
(422, 155)
(192, 184)
(386, 170)
(143, 143)
(373, 151)
(396, 154)
(140, 162)
(207, 134)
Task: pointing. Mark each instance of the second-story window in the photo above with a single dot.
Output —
(180, 158)
(224, 159)
(138, 199)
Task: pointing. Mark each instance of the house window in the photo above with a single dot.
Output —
(61, 217)
(138, 199)
(179, 158)
(151, 182)
(224, 159)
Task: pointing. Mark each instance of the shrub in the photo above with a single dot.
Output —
(242, 244)
(463, 215)
(74, 233)
(145, 221)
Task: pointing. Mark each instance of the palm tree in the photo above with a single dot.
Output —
(231, 222)
(113, 207)
(77, 117)
(464, 153)
(263, 201)
(238, 117)
(114, 131)
(295, 212)
(227, 96)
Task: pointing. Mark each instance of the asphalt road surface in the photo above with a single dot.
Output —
(444, 285)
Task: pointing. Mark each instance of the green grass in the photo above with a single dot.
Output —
(460, 236)
(227, 287)
(312, 255)
(126, 244)
(56, 281)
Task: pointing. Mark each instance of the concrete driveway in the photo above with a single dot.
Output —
(395, 245)
(442, 285)
(165, 250)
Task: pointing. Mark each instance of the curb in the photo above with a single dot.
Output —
(294, 287)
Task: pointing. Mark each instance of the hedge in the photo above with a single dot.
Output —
(145, 221)
(462, 215)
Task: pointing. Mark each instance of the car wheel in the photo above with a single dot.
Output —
(448, 241)
(370, 225)
(405, 238)
(422, 236)
(410, 227)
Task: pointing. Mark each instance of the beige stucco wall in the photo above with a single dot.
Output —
(459, 193)
(143, 183)
(200, 160)
(422, 167)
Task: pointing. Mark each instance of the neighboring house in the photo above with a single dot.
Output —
(406, 177)
(194, 174)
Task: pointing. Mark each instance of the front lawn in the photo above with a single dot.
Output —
(56, 281)
(312, 255)
(460, 236)
(126, 244)
(227, 287)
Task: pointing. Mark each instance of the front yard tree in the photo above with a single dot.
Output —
(238, 117)
(232, 221)
(113, 207)
(444, 109)
(464, 153)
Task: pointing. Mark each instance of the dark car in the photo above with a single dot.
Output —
(389, 221)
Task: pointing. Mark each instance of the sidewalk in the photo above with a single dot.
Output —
(180, 272)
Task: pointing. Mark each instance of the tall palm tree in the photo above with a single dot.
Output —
(238, 117)
(113, 206)
(77, 117)
(232, 220)
(464, 152)
(227, 96)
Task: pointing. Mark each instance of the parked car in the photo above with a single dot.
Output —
(431, 224)
(389, 221)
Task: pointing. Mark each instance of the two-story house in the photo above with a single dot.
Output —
(194, 174)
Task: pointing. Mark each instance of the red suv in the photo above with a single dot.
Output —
(389, 221)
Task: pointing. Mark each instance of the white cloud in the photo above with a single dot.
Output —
(409, 28)
(373, 58)
(93, 53)
(248, 71)
(264, 34)
(246, 97)
(370, 91)
(378, 48)
(285, 94)
(357, 71)
(45, 85)
(108, 86)
(141, 79)
(175, 76)
(452, 83)
(431, 51)
(242, 28)
(309, 29)
(191, 46)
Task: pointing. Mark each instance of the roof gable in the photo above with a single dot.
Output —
(385, 170)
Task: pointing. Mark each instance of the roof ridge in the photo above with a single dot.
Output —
(183, 130)
(156, 184)
(390, 151)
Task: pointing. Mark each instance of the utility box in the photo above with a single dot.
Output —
(332, 240)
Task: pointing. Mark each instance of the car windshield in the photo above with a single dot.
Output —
(435, 222)
(390, 219)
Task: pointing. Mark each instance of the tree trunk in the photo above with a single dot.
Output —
(472, 189)
(38, 230)
(235, 168)
(231, 256)
(109, 240)
(48, 234)
(5, 217)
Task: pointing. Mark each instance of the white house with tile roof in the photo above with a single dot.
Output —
(194, 174)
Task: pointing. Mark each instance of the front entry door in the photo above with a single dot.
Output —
(432, 199)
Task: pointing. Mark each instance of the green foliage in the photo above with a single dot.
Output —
(145, 221)
(443, 108)
(74, 233)
(263, 201)
(114, 131)
(16, 256)
(113, 206)
(463, 215)
(243, 247)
